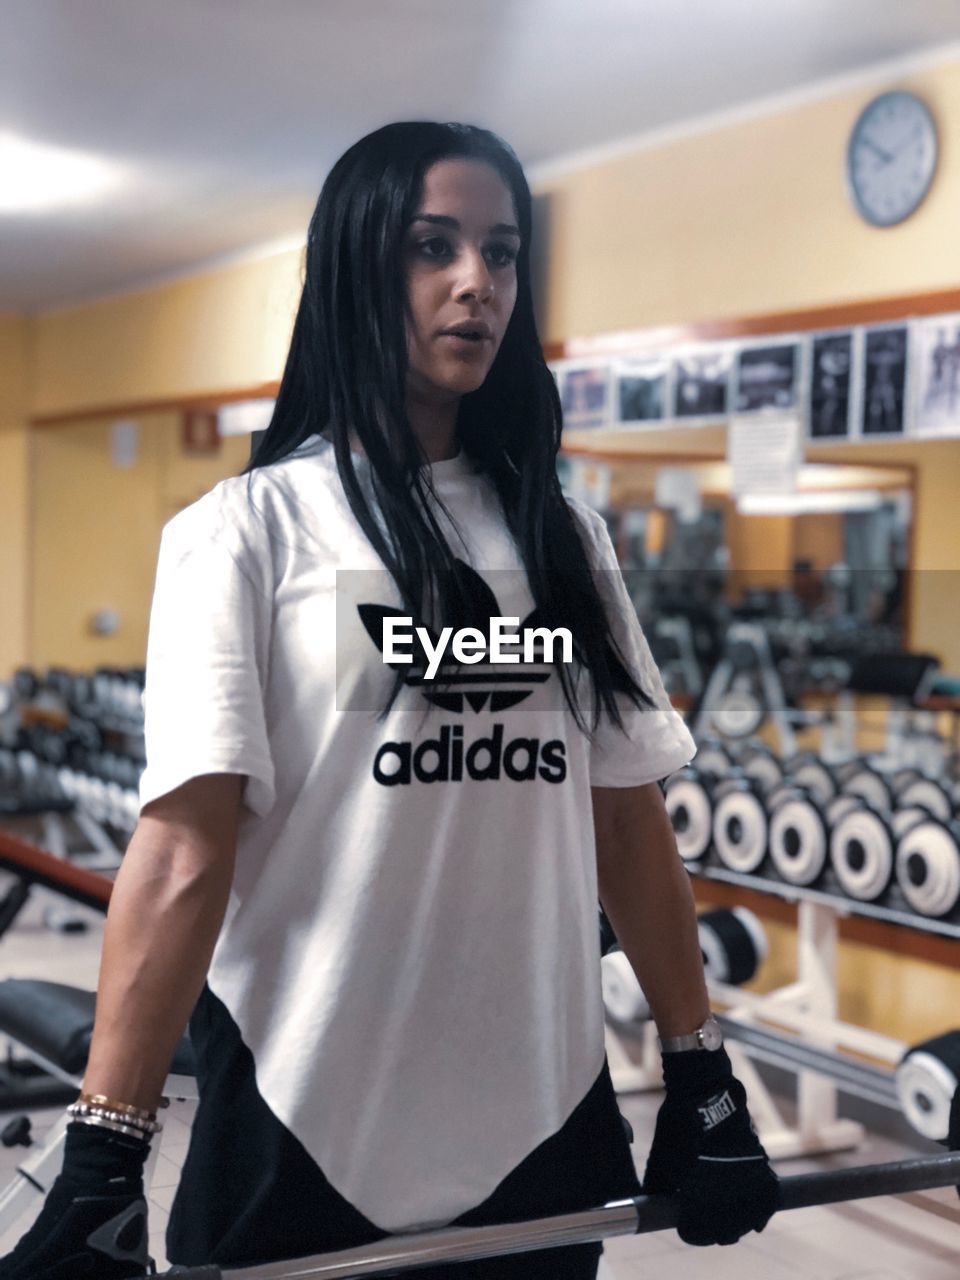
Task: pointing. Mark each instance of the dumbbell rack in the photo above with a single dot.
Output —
(804, 1012)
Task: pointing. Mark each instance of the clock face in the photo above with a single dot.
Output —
(891, 157)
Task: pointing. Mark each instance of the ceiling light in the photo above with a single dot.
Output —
(36, 178)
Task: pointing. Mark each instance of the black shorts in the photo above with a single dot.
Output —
(249, 1193)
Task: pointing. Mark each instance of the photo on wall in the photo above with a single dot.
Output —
(641, 389)
(768, 377)
(884, 380)
(585, 396)
(701, 383)
(831, 382)
(936, 366)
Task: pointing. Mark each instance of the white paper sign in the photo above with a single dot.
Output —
(676, 489)
(244, 416)
(765, 452)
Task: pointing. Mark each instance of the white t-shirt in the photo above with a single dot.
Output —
(412, 928)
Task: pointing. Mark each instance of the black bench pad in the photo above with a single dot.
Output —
(56, 1021)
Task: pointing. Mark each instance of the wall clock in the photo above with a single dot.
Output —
(891, 157)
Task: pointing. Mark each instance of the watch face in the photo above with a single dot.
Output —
(711, 1037)
(891, 157)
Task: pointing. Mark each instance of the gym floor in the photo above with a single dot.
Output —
(904, 1238)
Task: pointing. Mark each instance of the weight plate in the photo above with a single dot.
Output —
(799, 841)
(738, 713)
(840, 805)
(872, 787)
(862, 854)
(740, 829)
(930, 795)
(690, 810)
(904, 819)
(713, 757)
(815, 776)
(928, 867)
(925, 1087)
(765, 768)
(902, 778)
(732, 943)
(623, 998)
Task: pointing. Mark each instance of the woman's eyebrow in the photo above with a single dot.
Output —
(442, 220)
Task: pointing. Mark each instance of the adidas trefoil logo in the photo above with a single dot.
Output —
(461, 686)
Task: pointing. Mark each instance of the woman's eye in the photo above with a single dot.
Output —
(502, 255)
(434, 247)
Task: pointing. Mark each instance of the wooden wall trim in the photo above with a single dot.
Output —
(837, 315)
(197, 400)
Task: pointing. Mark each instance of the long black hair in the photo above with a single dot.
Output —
(346, 375)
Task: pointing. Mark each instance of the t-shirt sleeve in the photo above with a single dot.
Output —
(207, 653)
(654, 741)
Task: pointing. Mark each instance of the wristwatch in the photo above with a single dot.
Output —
(707, 1036)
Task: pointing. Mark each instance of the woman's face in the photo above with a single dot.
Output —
(460, 255)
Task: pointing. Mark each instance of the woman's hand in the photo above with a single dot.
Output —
(94, 1220)
(706, 1152)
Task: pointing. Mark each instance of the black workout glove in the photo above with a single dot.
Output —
(93, 1225)
(706, 1152)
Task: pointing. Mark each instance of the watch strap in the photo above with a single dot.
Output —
(707, 1036)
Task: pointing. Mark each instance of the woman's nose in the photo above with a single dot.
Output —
(475, 279)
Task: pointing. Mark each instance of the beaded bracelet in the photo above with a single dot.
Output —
(128, 1123)
(98, 1122)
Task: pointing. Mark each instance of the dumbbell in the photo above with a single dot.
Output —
(799, 835)
(733, 944)
(928, 794)
(928, 865)
(869, 785)
(60, 681)
(838, 806)
(927, 1080)
(758, 762)
(26, 684)
(713, 757)
(83, 739)
(623, 998)
(809, 771)
(740, 824)
(689, 805)
(863, 844)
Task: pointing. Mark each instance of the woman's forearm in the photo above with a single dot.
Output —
(165, 914)
(645, 892)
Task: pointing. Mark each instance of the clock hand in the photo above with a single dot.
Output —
(885, 156)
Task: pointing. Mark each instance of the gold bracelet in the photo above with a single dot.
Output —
(101, 1100)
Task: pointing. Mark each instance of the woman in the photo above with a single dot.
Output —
(383, 888)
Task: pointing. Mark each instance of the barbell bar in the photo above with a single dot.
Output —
(633, 1216)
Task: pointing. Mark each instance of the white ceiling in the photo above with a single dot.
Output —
(224, 115)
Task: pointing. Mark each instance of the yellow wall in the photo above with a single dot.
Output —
(95, 531)
(14, 492)
(745, 219)
(211, 332)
